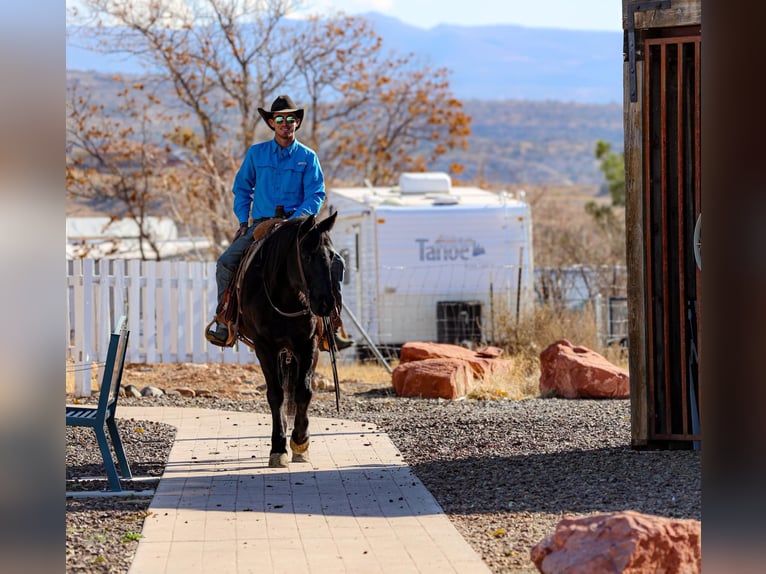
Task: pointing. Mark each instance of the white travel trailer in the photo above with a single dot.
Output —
(429, 262)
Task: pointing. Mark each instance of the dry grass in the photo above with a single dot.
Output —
(522, 382)
(369, 372)
(546, 325)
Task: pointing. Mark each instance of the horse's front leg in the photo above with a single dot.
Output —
(276, 396)
(299, 440)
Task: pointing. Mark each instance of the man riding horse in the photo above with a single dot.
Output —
(278, 178)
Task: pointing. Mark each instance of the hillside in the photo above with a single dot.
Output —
(513, 142)
(537, 142)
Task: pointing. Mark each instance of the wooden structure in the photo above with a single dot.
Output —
(663, 207)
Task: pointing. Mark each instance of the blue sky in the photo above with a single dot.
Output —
(569, 14)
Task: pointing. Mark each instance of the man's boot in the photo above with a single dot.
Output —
(342, 340)
(217, 332)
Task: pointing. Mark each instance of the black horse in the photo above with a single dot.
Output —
(283, 293)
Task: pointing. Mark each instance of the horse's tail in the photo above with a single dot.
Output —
(288, 367)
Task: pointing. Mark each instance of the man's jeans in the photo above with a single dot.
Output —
(229, 259)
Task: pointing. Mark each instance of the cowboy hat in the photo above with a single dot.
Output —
(285, 105)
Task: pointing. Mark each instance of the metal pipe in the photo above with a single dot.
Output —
(374, 348)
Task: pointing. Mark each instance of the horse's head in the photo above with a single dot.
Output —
(316, 258)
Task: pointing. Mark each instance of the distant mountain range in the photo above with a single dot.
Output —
(499, 62)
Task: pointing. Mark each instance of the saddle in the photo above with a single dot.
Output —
(228, 311)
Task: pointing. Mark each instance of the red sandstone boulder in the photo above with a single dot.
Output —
(483, 362)
(577, 372)
(418, 350)
(626, 542)
(446, 378)
(489, 352)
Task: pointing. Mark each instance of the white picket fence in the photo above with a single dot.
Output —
(168, 305)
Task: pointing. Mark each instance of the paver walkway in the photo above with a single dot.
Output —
(354, 508)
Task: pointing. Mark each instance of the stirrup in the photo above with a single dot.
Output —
(211, 338)
(341, 342)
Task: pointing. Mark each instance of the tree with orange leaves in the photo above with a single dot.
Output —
(374, 117)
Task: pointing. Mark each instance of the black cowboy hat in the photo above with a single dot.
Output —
(285, 105)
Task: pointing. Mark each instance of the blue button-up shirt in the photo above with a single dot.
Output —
(271, 175)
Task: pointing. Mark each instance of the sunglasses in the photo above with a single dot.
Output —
(279, 120)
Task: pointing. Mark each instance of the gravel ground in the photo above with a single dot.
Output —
(505, 472)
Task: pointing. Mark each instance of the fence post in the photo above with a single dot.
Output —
(83, 331)
(165, 328)
(134, 310)
(150, 311)
(601, 334)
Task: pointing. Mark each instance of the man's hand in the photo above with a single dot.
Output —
(240, 232)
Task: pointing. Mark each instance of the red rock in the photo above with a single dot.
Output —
(489, 352)
(577, 372)
(480, 361)
(446, 378)
(186, 392)
(496, 369)
(626, 542)
(321, 383)
(418, 350)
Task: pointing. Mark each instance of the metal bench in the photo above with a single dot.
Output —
(101, 417)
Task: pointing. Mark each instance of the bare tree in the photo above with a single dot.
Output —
(109, 158)
(331, 57)
(574, 254)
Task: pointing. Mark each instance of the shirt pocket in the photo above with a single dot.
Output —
(292, 185)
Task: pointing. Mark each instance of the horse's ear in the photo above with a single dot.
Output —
(327, 224)
(307, 225)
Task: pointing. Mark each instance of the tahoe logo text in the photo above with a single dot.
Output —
(448, 249)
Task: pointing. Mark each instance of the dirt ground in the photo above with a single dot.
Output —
(233, 380)
(223, 380)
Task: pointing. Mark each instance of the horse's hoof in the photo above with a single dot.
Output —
(278, 460)
(300, 451)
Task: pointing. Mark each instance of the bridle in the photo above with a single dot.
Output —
(304, 288)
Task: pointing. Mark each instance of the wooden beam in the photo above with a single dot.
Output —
(681, 13)
(634, 236)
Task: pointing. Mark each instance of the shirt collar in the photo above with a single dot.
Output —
(277, 149)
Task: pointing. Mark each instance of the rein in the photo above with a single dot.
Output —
(302, 312)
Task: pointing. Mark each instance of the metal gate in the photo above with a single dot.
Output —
(671, 208)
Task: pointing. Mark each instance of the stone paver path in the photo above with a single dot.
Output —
(355, 508)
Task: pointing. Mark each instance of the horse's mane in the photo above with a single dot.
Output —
(277, 246)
